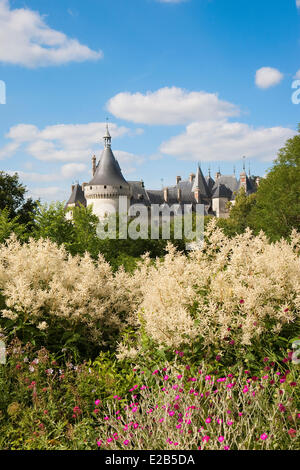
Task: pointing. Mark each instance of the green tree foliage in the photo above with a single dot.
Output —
(240, 212)
(51, 223)
(13, 200)
(277, 208)
(9, 226)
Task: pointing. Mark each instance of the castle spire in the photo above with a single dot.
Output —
(107, 137)
(244, 163)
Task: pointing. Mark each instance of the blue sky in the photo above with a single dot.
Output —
(180, 81)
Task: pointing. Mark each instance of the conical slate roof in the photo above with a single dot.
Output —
(210, 183)
(108, 171)
(200, 183)
(77, 196)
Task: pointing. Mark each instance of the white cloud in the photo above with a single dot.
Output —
(73, 144)
(298, 73)
(128, 160)
(35, 177)
(62, 142)
(8, 150)
(67, 171)
(170, 106)
(223, 140)
(298, 3)
(267, 77)
(30, 42)
(51, 193)
(73, 169)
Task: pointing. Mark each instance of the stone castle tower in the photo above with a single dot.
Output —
(107, 184)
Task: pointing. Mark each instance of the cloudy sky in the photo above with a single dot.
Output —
(181, 81)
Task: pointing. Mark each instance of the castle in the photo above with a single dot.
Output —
(108, 183)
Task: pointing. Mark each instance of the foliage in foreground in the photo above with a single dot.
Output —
(53, 404)
(222, 299)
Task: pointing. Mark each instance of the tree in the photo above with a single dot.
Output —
(51, 223)
(277, 208)
(12, 199)
(239, 216)
(9, 226)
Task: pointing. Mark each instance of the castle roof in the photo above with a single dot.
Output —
(200, 184)
(210, 183)
(249, 186)
(220, 190)
(77, 197)
(108, 171)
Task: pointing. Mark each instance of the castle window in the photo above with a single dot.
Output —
(104, 187)
(120, 187)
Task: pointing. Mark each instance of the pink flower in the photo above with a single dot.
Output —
(264, 436)
(126, 442)
(207, 377)
(99, 443)
(226, 448)
(221, 438)
(205, 438)
(208, 420)
(166, 377)
(155, 372)
(179, 377)
(245, 389)
(242, 301)
(229, 423)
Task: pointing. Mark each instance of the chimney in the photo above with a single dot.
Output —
(218, 174)
(192, 177)
(94, 164)
(178, 179)
(179, 194)
(243, 179)
(197, 196)
(166, 194)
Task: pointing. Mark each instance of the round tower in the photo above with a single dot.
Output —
(107, 184)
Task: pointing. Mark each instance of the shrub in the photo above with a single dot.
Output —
(223, 299)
